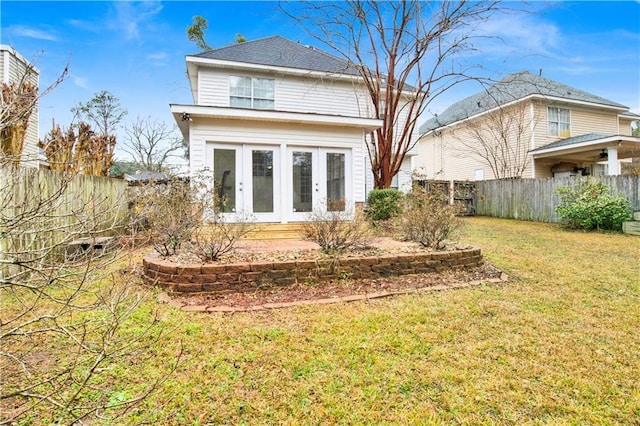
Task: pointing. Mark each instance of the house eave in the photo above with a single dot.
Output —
(246, 66)
(256, 115)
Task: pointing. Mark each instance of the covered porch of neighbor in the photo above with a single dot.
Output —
(591, 154)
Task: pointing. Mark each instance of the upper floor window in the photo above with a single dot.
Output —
(559, 122)
(250, 92)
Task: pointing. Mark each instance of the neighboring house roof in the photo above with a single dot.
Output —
(146, 176)
(630, 114)
(513, 87)
(574, 140)
(280, 52)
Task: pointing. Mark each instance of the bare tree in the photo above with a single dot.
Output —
(500, 139)
(66, 316)
(103, 110)
(152, 143)
(407, 54)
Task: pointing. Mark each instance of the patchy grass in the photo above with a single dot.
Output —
(558, 344)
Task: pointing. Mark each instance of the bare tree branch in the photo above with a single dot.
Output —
(500, 139)
(151, 143)
(407, 53)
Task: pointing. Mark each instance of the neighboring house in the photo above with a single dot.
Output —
(527, 126)
(279, 128)
(14, 68)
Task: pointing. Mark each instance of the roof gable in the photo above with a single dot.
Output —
(513, 87)
(280, 52)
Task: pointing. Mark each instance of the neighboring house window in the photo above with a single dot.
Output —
(478, 174)
(395, 181)
(248, 92)
(600, 169)
(559, 122)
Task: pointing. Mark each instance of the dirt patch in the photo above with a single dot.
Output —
(338, 290)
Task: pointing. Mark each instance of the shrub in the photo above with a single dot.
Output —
(428, 221)
(212, 241)
(337, 230)
(168, 213)
(384, 204)
(590, 205)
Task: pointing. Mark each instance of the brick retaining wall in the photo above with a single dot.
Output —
(242, 277)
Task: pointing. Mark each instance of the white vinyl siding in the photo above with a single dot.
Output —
(282, 135)
(294, 94)
(302, 94)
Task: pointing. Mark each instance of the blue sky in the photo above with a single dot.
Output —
(135, 50)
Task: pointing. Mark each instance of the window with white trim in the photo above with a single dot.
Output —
(559, 120)
(251, 92)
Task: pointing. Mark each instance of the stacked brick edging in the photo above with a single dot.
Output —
(243, 277)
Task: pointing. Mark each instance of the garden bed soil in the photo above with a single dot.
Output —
(338, 289)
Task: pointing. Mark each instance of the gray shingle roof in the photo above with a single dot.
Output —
(513, 87)
(280, 52)
(574, 140)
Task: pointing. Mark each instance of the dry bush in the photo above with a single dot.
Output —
(66, 320)
(167, 213)
(212, 241)
(17, 106)
(428, 221)
(335, 230)
(86, 152)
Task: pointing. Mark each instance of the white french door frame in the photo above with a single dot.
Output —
(243, 180)
(319, 180)
(249, 196)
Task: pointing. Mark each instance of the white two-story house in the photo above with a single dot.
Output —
(279, 127)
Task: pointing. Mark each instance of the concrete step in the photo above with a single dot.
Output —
(636, 215)
(276, 231)
(631, 228)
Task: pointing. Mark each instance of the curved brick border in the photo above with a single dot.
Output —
(243, 277)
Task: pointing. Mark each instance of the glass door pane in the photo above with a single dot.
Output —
(262, 180)
(336, 182)
(224, 178)
(302, 181)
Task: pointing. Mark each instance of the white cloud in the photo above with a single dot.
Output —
(158, 56)
(79, 81)
(526, 33)
(84, 25)
(131, 17)
(22, 31)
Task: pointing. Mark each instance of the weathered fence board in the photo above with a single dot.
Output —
(536, 199)
(43, 209)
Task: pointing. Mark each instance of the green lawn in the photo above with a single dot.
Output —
(557, 344)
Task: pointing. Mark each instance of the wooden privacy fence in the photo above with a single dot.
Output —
(42, 210)
(536, 199)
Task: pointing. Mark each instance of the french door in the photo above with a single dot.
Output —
(318, 178)
(246, 180)
(278, 183)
